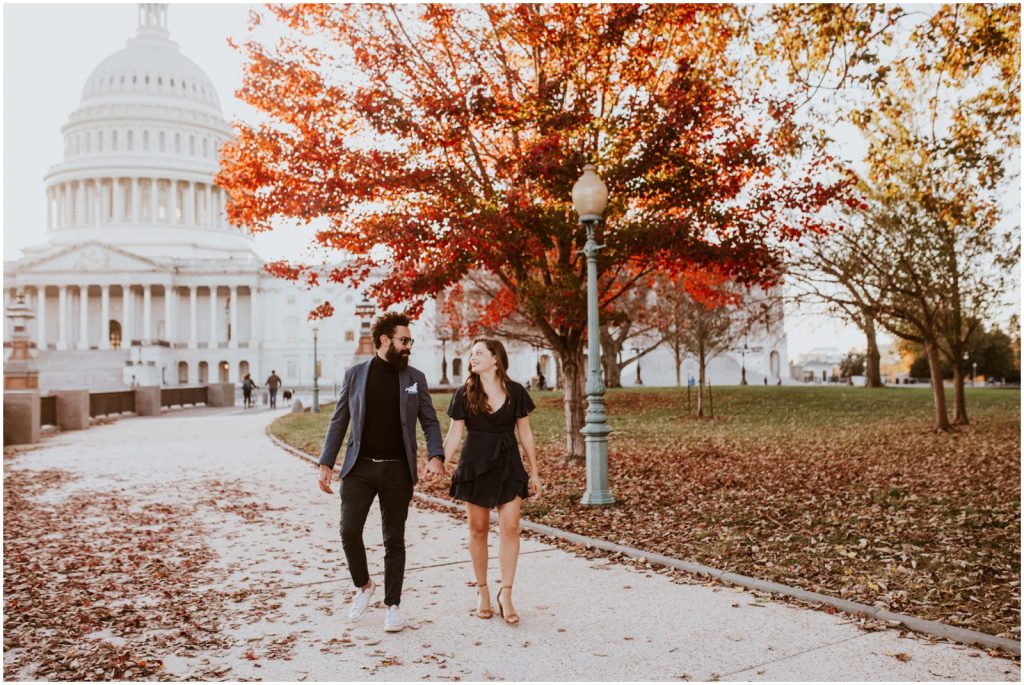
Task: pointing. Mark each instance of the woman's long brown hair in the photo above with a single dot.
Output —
(476, 398)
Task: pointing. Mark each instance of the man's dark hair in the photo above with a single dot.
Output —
(386, 324)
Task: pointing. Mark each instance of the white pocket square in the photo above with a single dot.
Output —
(414, 388)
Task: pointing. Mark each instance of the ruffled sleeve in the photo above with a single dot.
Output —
(457, 407)
(522, 403)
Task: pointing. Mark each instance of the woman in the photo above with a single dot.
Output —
(490, 473)
(247, 386)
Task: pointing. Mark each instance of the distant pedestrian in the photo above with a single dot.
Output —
(273, 383)
(247, 386)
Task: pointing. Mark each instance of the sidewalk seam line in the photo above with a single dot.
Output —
(792, 656)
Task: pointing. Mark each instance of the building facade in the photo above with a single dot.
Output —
(140, 279)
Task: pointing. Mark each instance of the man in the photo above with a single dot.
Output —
(382, 398)
(273, 383)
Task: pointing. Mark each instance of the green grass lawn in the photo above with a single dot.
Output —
(846, 491)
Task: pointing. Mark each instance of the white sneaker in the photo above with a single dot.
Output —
(361, 601)
(393, 619)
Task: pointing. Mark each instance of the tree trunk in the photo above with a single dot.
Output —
(959, 398)
(700, 384)
(679, 365)
(931, 350)
(573, 400)
(872, 361)
(610, 360)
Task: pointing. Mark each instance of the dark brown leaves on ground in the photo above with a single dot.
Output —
(97, 587)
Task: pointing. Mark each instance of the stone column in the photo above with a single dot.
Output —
(60, 205)
(208, 207)
(127, 314)
(252, 316)
(49, 208)
(118, 213)
(193, 318)
(172, 202)
(62, 318)
(213, 318)
(168, 312)
(83, 322)
(154, 200)
(147, 314)
(190, 203)
(136, 201)
(80, 203)
(41, 317)
(233, 302)
(104, 317)
(222, 209)
(104, 204)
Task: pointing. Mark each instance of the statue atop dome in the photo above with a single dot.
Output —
(153, 19)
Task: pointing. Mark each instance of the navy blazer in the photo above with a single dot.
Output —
(414, 402)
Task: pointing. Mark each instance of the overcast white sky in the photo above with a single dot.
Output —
(49, 52)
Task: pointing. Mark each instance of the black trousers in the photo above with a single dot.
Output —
(273, 397)
(391, 483)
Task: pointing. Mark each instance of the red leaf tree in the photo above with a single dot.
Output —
(436, 140)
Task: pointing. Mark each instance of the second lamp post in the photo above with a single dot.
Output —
(589, 198)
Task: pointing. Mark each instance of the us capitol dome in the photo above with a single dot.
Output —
(139, 279)
(140, 154)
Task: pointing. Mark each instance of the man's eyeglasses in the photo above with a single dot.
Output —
(405, 341)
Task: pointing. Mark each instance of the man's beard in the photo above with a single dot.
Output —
(397, 359)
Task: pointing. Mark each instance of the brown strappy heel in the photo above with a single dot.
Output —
(511, 619)
(482, 613)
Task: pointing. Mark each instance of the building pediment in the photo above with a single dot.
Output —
(90, 257)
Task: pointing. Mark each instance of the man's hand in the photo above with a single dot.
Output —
(435, 467)
(325, 478)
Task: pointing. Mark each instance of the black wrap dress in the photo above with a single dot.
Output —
(490, 470)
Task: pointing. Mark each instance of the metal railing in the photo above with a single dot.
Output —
(170, 397)
(118, 402)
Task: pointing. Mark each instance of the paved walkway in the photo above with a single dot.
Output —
(277, 554)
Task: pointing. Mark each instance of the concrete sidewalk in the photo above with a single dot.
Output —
(581, 619)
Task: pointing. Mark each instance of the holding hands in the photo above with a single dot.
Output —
(433, 469)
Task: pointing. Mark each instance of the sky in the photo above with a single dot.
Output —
(49, 52)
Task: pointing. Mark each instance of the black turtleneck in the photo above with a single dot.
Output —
(382, 429)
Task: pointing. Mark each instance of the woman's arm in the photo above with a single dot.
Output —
(452, 440)
(528, 442)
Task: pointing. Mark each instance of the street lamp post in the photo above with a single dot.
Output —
(316, 371)
(974, 378)
(743, 364)
(444, 363)
(589, 198)
(636, 352)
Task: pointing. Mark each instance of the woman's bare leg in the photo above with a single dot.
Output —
(479, 526)
(508, 549)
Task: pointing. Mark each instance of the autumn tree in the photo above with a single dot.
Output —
(938, 98)
(629, 321)
(698, 314)
(431, 141)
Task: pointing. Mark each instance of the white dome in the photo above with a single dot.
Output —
(141, 154)
(151, 65)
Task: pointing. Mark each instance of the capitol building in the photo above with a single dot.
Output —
(139, 279)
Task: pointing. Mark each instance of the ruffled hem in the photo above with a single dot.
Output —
(485, 495)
